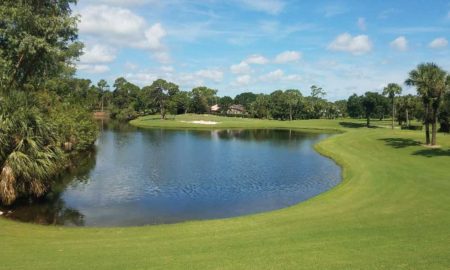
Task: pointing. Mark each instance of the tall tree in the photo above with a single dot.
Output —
(161, 91)
(37, 42)
(245, 99)
(430, 81)
(260, 107)
(317, 92)
(292, 99)
(370, 101)
(225, 103)
(203, 98)
(354, 106)
(407, 105)
(391, 90)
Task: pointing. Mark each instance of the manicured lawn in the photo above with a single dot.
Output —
(392, 211)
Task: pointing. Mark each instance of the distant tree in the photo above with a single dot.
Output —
(407, 104)
(391, 90)
(370, 101)
(161, 92)
(354, 106)
(278, 107)
(202, 99)
(292, 98)
(431, 83)
(181, 101)
(245, 99)
(102, 86)
(260, 107)
(225, 103)
(342, 107)
(317, 92)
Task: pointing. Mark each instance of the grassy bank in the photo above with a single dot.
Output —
(391, 211)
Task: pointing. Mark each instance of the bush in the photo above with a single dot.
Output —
(76, 127)
(413, 127)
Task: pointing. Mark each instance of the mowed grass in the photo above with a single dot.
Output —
(392, 211)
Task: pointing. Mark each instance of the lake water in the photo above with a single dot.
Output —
(154, 176)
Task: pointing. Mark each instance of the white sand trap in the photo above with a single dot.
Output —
(201, 122)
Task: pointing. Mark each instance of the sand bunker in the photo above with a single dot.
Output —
(201, 122)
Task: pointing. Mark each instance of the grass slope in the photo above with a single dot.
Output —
(392, 211)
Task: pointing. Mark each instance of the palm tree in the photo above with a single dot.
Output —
(29, 152)
(391, 90)
(430, 81)
(407, 103)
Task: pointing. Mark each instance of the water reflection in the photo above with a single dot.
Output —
(139, 177)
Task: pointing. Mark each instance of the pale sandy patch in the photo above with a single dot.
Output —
(201, 122)
(431, 146)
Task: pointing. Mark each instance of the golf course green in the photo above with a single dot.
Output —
(392, 211)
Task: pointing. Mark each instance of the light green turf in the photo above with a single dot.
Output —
(392, 211)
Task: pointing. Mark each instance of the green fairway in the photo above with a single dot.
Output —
(392, 211)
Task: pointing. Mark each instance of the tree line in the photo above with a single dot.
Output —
(431, 105)
(125, 101)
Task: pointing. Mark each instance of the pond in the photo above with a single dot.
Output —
(154, 176)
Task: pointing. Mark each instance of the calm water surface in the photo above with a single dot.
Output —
(139, 177)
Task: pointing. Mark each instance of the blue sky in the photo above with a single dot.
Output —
(234, 46)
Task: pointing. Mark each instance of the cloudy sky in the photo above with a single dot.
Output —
(262, 45)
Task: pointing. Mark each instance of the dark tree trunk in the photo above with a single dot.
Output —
(163, 111)
(290, 113)
(407, 117)
(427, 124)
(368, 121)
(434, 127)
(393, 113)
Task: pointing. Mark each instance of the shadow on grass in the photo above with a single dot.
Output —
(354, 125)
(157, 119)
(400, 142)
(433, 152)
(429, 152)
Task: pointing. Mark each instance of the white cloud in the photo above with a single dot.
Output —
(94, 69)
(244, 66)
(121, 27)
(287, 56)
(362, 24)
(154, 35)
(356, 45)
(162, 56)
(273, 75)
(240, 68)
(273, 7)
(400, 43)
(189, 80)
(243, 80)
(210, 74)
(130, 66)
(98, 54)
(438, 43)
(141, 78)
(110, 22)
(293, 77)
(256, 59)
(167, 69)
